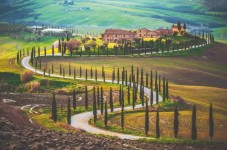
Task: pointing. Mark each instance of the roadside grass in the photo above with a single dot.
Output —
(134, 124)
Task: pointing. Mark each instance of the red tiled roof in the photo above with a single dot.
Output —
(117, 31)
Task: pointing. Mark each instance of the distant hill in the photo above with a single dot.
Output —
(216, 5)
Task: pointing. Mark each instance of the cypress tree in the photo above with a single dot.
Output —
(60, 70)
(122, 112)
(54, 108)
(31, 56)
(151, 88)
(176, 122)
(86, 74)
(86, 98)
(74, 73)
(45, 51)
(102, 100)
(44, 72)
(98, 97)
(142, 96)
(126, 77)
(18, 59)
(74, 99)
(133, 98)
(40, 64)
(102, 71)
(52, 50)
(194, 130)
(80, 72)
(146, 119)
(96, 74)
(163, 89)
(91, 73)
(39, 51)
(159, 83)
(52, 68)
(63, 72)
(156, 79)
(211, 122)
(146, 79)
(128, 95)
(94, 106)
(69, 113)
(157, 97)
(167, 90)
(119, 95)
(137, 76)
(111, 100)
(130, 80)
(141, 78)
(157, 125)
(36, 63)
(118, 76)
(106, 115)
(104, 77)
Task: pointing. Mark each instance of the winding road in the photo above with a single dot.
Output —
(81, 121)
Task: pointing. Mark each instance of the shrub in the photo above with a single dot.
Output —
(34, 86)
(26, 76)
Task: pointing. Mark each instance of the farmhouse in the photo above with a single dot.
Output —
(144, 33)
(114, 35)
(175, 29)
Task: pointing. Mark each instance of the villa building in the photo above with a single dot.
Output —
(175, 29)
(114, 35)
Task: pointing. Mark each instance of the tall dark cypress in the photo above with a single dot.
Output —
(80, 71)
(52, 68)
(157, 95)
(146, 119)
(106, 116)
(151, 89)
(133, 98)
(111, 100)
(52, 50)
(119, 95)
(54, 108)
(128, 95)
(118, 75)
(176, 122)
(194, 129)
(137, 76)
(211, 122)
(60, 70)
(163, 89)
(126, 77)
(69, 113)
(141, 78)
(102, 100)
(96, 74)
(86, 98)
(74, 99)
(156, 79)
(45, 51)
(167, 90)
(104, 77)
(86, 74)
(159, 83)
(142, 96)
(122, 112)
(94, 106)
(74, 73)
(146, 79)
(98, 97)
(157, 125)
(91, 73)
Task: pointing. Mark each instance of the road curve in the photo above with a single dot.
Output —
(81, 121)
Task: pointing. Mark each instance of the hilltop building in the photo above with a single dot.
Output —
(176, 30)
(114, 35)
